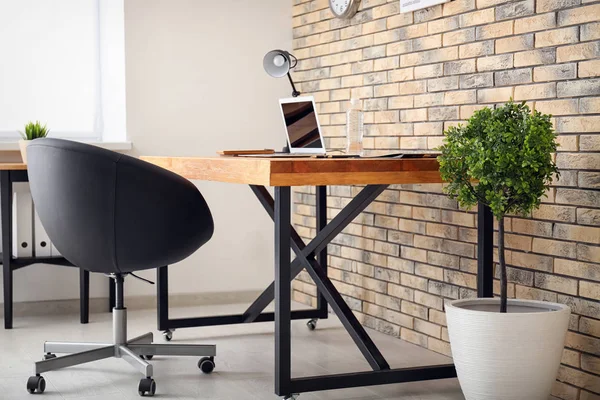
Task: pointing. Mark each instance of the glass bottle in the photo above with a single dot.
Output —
(354, 128)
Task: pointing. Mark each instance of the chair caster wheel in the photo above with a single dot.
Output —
(292, 397)
(49, 356)
(168, 335)
(148, 358)
(147, 387)
(312, 324)
(36, 384)
(207, 364)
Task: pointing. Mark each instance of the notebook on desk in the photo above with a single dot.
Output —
(272, 154)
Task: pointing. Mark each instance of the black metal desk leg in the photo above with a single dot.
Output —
(321, 204)
(485, 251)
(6, 209)
(319, 242)
(84, 296)
(283, 364)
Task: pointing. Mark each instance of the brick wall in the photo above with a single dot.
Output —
(417, 74)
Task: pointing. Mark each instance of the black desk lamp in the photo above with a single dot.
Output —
(278, 63)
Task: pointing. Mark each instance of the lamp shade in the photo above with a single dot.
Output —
(277, 63)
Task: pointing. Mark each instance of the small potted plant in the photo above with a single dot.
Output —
(503, 349)
(33, 130)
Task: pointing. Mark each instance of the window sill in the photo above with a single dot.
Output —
(115, 146)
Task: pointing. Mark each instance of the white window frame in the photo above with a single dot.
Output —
(110, 113)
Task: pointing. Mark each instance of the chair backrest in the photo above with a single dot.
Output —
(111, 213)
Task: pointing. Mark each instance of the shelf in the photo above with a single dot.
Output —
(17, 263)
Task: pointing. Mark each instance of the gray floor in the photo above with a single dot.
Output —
(244, 362)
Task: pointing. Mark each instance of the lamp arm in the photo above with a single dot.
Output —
(295, 93)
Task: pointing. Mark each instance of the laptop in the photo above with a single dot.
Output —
(303, 131)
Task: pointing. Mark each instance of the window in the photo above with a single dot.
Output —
(63, 62)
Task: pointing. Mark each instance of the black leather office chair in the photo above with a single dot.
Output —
(114, 214)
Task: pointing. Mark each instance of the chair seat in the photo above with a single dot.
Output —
(110, 213)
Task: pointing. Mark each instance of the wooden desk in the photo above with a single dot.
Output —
(303, 171)
(17, 172)
(377, 175)
(13, 167)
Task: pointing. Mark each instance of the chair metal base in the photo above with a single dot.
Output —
(133, 351)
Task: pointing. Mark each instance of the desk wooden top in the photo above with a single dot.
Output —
(303, 171)
(12, 166)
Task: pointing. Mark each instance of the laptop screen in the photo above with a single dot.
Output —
(302, 127)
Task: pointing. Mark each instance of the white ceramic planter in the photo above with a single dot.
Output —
(512, 356)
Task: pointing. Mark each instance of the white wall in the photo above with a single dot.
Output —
(195, 84)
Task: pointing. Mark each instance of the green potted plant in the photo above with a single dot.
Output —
(503, 349)
(33, 130)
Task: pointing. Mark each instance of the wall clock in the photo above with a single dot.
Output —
(345, 9)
